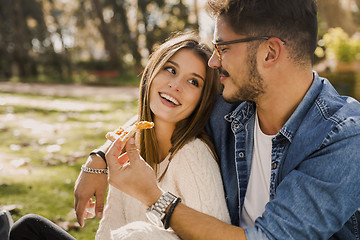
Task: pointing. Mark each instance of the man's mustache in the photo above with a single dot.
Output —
(223, 72)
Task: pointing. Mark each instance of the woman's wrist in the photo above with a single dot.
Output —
(95, 161)
(152, 197)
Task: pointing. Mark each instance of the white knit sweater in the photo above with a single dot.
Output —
(193, 175)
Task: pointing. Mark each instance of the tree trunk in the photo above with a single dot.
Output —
(149, 36)
(336, 16)
(110, 45)
(358, 4)
(20, 54)
(67, 57)
(132, 42)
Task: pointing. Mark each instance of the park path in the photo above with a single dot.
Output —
(67, 90)
(61, 90)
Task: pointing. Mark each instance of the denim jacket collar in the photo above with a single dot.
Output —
(241, 115)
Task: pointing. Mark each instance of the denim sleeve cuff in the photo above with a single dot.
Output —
(254, 233)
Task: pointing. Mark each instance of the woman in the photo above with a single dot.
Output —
(177, 92)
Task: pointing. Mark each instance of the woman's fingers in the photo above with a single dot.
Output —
(114, 151)
(132, 151)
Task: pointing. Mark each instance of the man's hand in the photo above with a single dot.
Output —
(131, 174)
(90, 185)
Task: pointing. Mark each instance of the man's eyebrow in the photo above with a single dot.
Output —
(195, 74)
(218, 40)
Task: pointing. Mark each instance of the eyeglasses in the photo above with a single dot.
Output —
(217, 44)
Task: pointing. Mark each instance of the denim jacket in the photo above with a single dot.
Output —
(315, 166)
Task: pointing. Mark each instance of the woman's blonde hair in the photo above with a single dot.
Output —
(194, 125)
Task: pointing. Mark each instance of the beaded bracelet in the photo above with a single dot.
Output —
(93, 170)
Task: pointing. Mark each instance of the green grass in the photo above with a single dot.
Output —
(47, 186)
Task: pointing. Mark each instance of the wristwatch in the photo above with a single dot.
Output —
(156, 212)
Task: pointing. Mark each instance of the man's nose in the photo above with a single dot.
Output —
(214, 61)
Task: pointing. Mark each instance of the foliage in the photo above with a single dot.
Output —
(338, 44)
(50, 37)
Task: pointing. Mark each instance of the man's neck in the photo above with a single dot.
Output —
(281, 100)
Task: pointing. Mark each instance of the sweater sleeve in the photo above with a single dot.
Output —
(196, 178)
(113, 216)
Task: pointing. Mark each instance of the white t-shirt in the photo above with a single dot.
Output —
(258, 190)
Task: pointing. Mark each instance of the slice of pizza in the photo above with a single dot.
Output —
(126, 133)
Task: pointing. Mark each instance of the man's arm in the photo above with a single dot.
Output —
(191, 224)
(141, 184)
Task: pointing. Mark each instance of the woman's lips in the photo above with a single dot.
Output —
(168, 100)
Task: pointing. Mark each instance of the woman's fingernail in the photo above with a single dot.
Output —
(132, 141)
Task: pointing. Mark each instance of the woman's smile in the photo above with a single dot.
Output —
(168, 100)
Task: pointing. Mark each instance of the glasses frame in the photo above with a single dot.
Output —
(249, 39)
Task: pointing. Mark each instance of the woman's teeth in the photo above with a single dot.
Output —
(170, 99)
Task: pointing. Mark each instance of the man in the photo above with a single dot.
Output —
(288, 145)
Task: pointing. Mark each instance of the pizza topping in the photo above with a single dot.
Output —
(126, 134)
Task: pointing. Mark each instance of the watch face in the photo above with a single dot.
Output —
(154, 219)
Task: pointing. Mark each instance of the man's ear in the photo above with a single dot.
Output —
(273, 50)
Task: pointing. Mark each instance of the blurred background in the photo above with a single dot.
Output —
(69, 71)
(108, 42)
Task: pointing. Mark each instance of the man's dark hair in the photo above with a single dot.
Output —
(293, 21)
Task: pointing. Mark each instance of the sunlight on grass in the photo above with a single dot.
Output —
(43, 146)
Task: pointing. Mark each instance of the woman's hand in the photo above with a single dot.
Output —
(131, 174)
(90, 185)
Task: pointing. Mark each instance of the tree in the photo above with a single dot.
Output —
(335, 15)
(107, 36)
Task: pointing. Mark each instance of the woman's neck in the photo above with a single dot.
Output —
(164, 131)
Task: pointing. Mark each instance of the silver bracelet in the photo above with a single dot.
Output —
(93, 170)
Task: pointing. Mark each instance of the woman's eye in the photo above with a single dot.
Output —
(170, 70)
(194, 82)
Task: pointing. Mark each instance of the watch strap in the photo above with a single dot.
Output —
(159, 207)
(100, 153)
(166, 219)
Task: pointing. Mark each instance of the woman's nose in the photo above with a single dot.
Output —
(175, 84)
(214, 61)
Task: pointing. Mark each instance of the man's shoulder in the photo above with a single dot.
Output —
(331, 118)
(337, 108)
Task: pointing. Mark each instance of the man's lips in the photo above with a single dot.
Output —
(223, 74)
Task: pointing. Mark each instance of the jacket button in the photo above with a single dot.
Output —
(274, 165)
(241, 154)
(236, 126)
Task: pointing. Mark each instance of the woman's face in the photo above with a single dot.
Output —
(176, 89)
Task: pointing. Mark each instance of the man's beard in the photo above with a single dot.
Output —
(253, 88)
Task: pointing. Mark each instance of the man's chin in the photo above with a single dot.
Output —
(231, 99)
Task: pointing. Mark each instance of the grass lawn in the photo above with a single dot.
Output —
(44, 140)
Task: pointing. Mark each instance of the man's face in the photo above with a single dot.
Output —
(238, 66)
